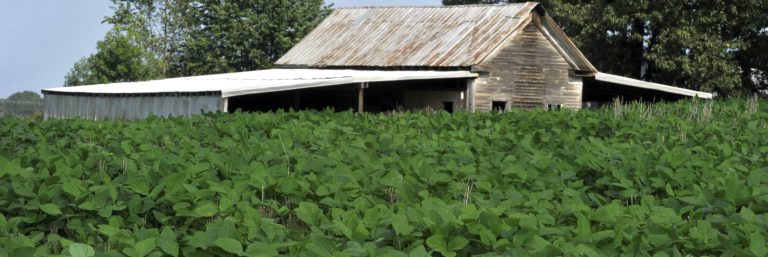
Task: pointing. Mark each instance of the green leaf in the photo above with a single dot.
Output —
(748, 215)
(757, 244)
(23, 190)
(167, 242)
(437, 243)
(343, 228)
(469, 213)
(81, 250)
(400, 224)
(261, 250)
(321, 247)
(457, 243)
(70, 187)
(144, 247)
(665, 216)
(583, 227)
(206, 210)
(538, 243)
(108, 230)
(419, 251)
(110, 186)
(229, 245)
(308, 213)
(50, 209)
(529, 222)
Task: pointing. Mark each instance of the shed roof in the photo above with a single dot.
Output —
(614, 79)
(254, 82)
(447, 36)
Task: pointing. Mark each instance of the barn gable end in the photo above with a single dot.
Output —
(530, 70)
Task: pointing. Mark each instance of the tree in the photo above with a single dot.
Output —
(171, 38)
(120, 57)
(81, 73)
(161, 26)
(26, 96)
(26, 103)
(231, 36)
(214, 36)
(699, 44)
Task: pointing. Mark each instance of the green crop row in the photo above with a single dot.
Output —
(684, 179)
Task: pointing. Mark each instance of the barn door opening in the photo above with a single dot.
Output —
(448, 106)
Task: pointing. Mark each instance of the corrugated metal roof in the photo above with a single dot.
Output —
(448, 36)
(261, 81)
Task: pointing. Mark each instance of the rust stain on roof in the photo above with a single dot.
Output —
(450, 36)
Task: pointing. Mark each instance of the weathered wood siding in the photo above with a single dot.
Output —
(528, 73)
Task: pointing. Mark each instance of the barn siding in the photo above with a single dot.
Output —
(528, 73)
(58, 106)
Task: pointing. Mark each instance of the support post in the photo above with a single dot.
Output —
(223, 105)
(361, 96)
(470, 95)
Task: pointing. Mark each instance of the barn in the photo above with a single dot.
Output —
(377, 59)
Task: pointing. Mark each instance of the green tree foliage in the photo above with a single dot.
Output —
(25, 104)
(233, 36)
(700, 44)
(120, 57)
(171, 38)
(25, 96)
(160, 24)
(81, 73)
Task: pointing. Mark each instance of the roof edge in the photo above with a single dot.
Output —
(616, 79)
(563, 43)
(529, 8)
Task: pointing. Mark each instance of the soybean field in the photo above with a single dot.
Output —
(676, 179)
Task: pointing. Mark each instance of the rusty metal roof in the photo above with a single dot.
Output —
(447, 36)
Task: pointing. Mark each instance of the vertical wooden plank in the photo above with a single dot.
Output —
(360, 96)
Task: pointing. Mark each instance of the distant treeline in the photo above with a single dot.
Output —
(22, 104)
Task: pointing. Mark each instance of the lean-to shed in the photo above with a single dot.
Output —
(477, 57)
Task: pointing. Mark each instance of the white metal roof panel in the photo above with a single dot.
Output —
(262, 81)
(605, 77)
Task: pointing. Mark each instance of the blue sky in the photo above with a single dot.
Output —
(43, 38)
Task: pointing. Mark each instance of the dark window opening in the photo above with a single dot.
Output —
(554, 107)
(498, 106)
(448, 107)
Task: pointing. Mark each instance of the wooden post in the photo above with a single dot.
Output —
(360, 96)
(470, 95)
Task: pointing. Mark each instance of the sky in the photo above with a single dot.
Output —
(42, 39)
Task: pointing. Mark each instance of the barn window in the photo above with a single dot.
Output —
(554, 107)
(498, 106)
(448, 107)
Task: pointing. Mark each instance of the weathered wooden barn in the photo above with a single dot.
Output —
(475, 58)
